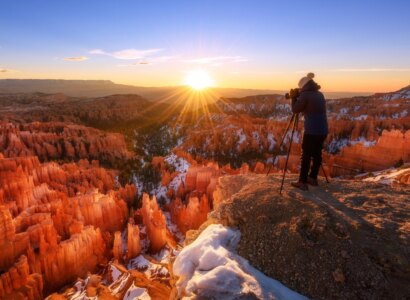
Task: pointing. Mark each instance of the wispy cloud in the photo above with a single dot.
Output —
(151, 61)
(216, 60)
(372, 70)
(7, 70)
(354, 70)
(76, 58)
(127, 53)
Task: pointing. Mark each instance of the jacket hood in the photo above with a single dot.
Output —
(310, 86)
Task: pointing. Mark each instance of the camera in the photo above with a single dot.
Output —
(293, 94)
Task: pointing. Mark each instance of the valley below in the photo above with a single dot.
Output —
(124, 197)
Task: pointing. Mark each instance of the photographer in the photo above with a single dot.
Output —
(309, 101)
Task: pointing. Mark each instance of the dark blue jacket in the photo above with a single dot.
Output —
(312, 104)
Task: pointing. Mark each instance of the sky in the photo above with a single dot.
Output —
(351, 45)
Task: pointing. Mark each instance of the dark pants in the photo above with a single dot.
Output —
(311, 150)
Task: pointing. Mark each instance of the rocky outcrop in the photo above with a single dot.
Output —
(353, 235)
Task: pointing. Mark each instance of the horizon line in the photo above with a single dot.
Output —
(177, 86)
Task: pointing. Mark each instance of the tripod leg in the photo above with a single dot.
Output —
(323, 170)
(281, 142)
(295, 125)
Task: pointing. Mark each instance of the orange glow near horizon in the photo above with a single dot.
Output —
(347, 81)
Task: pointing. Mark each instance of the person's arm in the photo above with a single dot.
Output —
(299, 104)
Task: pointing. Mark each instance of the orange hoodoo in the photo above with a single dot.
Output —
(154, 220)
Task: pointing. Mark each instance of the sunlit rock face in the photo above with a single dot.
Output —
(53, 140)
(18, 283)
(390, 148)
(249, 130)
(58, 220)
(154, 220)
(133, 241)
(191, 215)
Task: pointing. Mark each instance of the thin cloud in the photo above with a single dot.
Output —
(151, 61)
(127, 53)
(7, 70)
(373, 70)
(216, 60)
(352, 70)
(76, 58)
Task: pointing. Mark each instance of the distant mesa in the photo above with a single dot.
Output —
(100, 88)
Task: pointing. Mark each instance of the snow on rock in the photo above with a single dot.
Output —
(150, 269)
(296, 137)
(181, 166)
(138, 184)
(160, 192)
(80, 291)
(271, 141)
(208, 267)
(388, 176)
(115, 272)
(135, 292)
(363, 140)
(241, 136)
(284, 107)
(360, 118)
(336, 145)
(118, 285)
(174, 228)
(344, 110)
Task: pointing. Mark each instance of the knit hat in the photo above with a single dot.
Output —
(305, 80)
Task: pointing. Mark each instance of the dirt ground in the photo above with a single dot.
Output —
(343, 240)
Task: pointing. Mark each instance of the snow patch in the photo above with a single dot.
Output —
(363, 141)
(388, 176)
(150, 269)
(135, 292)
(271, 141)
(360, 118)
(336, 145)
(209, 268)
(242, 137)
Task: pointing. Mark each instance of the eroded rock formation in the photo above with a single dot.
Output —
(60, 217)
(53, 140)
(154, 220)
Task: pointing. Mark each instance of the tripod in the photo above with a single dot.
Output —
(295, 120)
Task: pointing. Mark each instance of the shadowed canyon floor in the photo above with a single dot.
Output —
(343, 240)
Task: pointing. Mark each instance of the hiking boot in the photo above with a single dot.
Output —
(312, 181)
(300, 185)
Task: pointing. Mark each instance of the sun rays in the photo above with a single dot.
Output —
(189, 105)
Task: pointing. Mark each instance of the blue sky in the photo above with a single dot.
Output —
(350, 45)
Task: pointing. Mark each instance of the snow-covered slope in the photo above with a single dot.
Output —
(209, 267)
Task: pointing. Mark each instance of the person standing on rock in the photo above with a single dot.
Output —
(312, 104)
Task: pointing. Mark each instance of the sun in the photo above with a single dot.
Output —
(199, 79)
